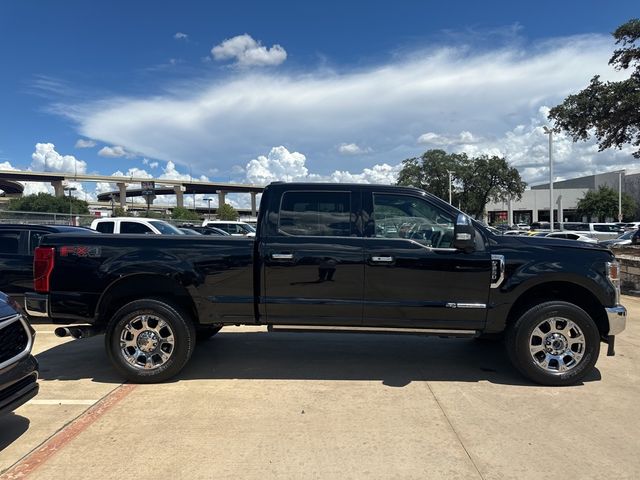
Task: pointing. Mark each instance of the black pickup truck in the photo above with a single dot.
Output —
(339, 258)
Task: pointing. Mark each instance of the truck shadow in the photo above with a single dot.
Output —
(395, 360)
(12, 427)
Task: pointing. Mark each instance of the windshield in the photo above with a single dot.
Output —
(165, 228)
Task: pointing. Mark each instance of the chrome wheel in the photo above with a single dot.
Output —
(557, 345)
(147, 342)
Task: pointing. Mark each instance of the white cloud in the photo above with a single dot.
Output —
(462, 98)
(352, 149)
(248, 52)
(45, 158)
(282, 165)
(115, 152)
(181, 36)
(82, 143)
(434, 139)
(153, 164)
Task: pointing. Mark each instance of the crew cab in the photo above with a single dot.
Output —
(336, 258)
(17, 243)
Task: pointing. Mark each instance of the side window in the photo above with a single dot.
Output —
(401, 216)
(34, 240)
(10, 242)
(318, 214)
(605, 228)
(132, 227)
(104, 227)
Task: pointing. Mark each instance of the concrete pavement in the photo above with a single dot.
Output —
(258, 405)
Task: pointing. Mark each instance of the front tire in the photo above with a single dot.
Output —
(149, 340)
(555, 343)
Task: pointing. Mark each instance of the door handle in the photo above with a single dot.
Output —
(382, 259)
(282, 256)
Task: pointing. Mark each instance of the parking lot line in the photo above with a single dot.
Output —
(60, 439)
(37, 401)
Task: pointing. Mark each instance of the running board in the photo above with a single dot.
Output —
(439, 332)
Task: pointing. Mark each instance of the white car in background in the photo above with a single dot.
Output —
(133, 225)
(235, 228)
(571, 236)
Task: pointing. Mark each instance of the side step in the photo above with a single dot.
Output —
(438, 332)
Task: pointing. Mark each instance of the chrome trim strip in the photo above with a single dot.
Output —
(282, 256)
(25, 352)
(370, 329)
(617, 319)
(466, 305)
(37, 298)
(500, 260)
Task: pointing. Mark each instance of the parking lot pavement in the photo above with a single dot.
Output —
(257, 405)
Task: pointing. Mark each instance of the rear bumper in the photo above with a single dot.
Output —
(617, 319)
(36, 304)
(18, 384)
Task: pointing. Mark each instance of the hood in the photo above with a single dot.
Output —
(6, 307)
(550, 242)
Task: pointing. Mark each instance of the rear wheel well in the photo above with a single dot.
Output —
(562, 291)
(137, 287)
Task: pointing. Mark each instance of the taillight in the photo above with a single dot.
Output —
(43, 260)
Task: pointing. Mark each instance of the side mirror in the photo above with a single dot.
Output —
(464, 235)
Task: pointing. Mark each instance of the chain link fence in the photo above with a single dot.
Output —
(38, 218)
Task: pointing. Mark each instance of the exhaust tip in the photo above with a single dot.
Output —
(62, 332)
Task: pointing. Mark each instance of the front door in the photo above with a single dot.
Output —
(413, 275)
(313, 260)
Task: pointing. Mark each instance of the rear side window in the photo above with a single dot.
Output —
(104, 227)
(10, 242)
(317, 214)
(34, 240)
(132, 227)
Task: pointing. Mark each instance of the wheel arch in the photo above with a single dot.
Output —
(561, 291)
(138, 286)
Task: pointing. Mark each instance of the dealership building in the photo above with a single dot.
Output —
(534, 204)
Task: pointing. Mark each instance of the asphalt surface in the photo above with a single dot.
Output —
(252, 404)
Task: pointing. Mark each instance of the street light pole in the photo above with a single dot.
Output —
(549, 132)
(70, 189)
(449, 172)
(620, 196)
(208, 200)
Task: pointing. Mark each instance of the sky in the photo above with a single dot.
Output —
(253, 92)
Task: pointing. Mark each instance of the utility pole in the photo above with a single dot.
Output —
(620, 196)
(449, 172)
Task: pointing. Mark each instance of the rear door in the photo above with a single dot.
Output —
(134, 228)
(313, 258)
(413, 275)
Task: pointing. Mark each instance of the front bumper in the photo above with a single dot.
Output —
(617, 319)
(18, 384)
(36, 304)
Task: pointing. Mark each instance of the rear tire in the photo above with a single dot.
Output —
(149, 340)
(554, 343)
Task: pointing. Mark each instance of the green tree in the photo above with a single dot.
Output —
(486, 179)
(120, 212)
(181, 213)
(603, 203)
(227, 212)
(430, 171)
(608, 110)
(47, 203)
(475, 181)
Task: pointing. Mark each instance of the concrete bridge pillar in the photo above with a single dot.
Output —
(221, 198)
(254, 211)
(58, 188)
(179, 189)
(123, 194)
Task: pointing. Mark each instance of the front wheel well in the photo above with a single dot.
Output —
(138, 287)
(562, 291)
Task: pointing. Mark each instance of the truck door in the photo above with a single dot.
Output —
(312, 258)
(413, 275)
(16, 264)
